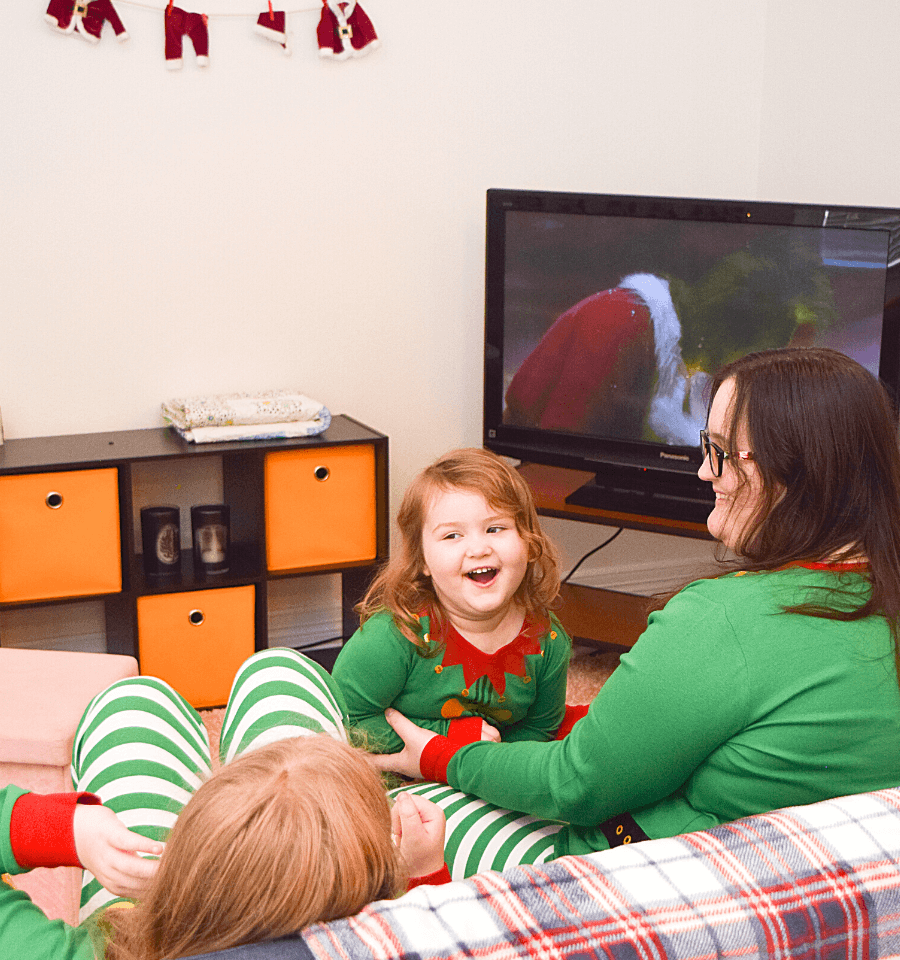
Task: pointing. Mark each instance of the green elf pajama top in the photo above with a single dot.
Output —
(447, 684)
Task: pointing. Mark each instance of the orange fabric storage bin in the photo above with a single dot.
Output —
(196, 641)
(59, 535)
(320, 507)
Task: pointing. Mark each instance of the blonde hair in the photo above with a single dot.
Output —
(286, 835)
(402, 587)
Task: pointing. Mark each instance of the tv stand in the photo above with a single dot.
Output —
(674, 496)
(609, 618)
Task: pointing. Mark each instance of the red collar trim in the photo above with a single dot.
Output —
(508, 659)
(857, 565)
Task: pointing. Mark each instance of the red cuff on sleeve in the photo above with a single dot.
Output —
(572, 716)
(435, 757)
(41, 829)
(439, 750)
(432, 879)
(464, 730)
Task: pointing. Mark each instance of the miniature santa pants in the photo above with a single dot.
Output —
(178, 23)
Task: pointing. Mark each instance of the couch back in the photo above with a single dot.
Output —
(815, 881)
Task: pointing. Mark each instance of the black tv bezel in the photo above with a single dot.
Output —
(639, 470)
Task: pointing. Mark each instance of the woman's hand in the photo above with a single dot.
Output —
(109, 850)
(418, 826)
(408, 760)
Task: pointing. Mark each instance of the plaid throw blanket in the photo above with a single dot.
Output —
(819, 882)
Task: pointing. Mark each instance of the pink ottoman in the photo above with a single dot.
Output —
(43, 694)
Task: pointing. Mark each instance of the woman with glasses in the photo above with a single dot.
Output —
(772, 684)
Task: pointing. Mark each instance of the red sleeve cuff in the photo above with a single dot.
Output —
(435, 758)
(572, 716)
(464, 730)
(439, 751)
(41, 829)
(432, 879)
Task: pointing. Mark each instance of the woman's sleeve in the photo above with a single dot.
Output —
(661, 713)
(546, 712)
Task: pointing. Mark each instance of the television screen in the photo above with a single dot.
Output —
(607, 316)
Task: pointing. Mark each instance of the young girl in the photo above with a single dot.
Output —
(294, 828)
(456, 630)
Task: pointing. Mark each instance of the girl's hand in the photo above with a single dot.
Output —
(418, 826)
(109, 850)
(408, 760)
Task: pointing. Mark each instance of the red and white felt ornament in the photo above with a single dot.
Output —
(272, 24)
(84, 18)
(345, 31)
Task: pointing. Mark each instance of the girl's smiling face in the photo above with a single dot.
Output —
(739, 491)
(475, 557)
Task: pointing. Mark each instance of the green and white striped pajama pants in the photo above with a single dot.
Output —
(144, 750)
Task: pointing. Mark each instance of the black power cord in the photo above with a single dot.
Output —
(590, 553)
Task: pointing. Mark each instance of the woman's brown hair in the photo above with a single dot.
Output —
(286, 835)
(402, 587)
(823, 433)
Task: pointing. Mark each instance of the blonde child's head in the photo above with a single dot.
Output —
(286, 835)
(405, 590)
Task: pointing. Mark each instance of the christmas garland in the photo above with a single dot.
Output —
(344, 30)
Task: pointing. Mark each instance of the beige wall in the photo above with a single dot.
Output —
(278, 221)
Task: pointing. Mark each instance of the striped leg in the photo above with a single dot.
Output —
(483, 837)
(144, 750)
(280, 693)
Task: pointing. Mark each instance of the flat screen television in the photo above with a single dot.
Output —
(605, 316)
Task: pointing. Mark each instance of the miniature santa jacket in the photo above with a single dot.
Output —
(345, 31)
(85, 19)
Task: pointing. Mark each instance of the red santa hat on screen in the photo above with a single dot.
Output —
(345, 31)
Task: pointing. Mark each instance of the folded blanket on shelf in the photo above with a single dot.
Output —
(259, 431)
(246, 416)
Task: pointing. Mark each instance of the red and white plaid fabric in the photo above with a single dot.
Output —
(819, 882)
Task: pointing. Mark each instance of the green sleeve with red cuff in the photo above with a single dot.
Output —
(439, 751)
(41, 829)
(26, 932)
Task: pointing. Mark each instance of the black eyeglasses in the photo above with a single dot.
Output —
(717, 456)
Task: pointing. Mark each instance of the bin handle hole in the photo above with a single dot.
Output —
(196, 617)
(321, 473)
(54, 500)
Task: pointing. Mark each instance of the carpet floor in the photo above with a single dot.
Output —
(588, 671)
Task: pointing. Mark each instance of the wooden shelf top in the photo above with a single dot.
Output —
(80, 450)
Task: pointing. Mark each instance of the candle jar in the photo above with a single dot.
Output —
(210, 525)
(161, 539)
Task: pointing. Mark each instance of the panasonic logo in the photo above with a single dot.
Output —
(674, 456)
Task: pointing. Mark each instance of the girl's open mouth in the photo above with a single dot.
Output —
(482, 574)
